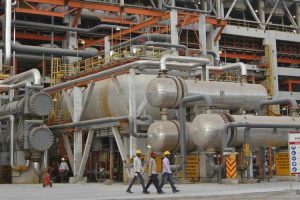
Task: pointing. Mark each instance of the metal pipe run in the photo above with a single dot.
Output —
(92, 122)
(37, 169)
(7, 32)
(25, 76)
(288, 100)
(109, 72)
(143, 38)
(11, 118)
(168, 45)
(88, 123)
(189, 9)
(252, 126)
(182, 122)
(53, 51)
(215, 56)
(201, 61)
(65, 28)
(238, 65)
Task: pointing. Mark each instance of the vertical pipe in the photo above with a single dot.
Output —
(182, 123)
(14, 70)
(111, 159)
(261, 11)
(174, 31)
(219, 7)
(7, 36)
(132, 111)
(202, 38)
(298, 14)
(106, 49)
(204, 5)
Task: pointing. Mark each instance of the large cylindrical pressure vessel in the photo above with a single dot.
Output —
(207, 130)
(167, 92)
(111, 99)
(165, 136)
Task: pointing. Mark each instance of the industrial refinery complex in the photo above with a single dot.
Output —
(110, 91)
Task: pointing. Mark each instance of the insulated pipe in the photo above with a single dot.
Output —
(214, 55)
(7, 32)
(148, 37)
(182, 122)
(11, 118)
(238, 65)
(97, 122)
(164, 44)
(189, 9)
(109, 72)
(201, 61)
(36, 168)
(289, 100)
(251, 125)
(88, 123)
(53, 51)
(65, 28)
(30, 74)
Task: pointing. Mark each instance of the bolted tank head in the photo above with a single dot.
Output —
(40, 104)
(40, 138)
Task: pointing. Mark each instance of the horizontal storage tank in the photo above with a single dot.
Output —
(167, 92)
(165, 136)
(207, 131)
(108, 101)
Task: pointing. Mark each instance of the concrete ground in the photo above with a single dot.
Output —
(93, 191)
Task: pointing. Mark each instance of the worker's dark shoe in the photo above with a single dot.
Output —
(174, 191)
(129, 191)
(160, 192)
(146, 192)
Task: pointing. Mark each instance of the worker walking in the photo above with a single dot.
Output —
(152, 172)
(167, 173)
(63, 171)
(138, 170)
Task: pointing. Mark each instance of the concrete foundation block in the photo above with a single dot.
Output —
(230, 181)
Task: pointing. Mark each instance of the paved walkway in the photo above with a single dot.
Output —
(94, 191)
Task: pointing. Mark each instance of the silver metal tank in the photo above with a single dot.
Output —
(165, 136)
(165, 92)
(107, 102)
(207, 131)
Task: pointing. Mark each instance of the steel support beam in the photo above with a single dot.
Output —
(253, 13)
(142, 106)
(77, 95)
(272, 11)
(290, 15)
(132, 110)
(69, 150)
(85, 154)
(271, 40)
(121, 147)
(68, 102)
(87, 98)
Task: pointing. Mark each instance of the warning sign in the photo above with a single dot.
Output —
(294, 152)
(282, 163)
(192, 166)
